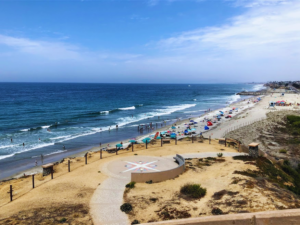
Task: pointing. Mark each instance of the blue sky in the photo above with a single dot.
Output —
(149, 40)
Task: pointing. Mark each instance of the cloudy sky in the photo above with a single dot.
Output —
(156, 41)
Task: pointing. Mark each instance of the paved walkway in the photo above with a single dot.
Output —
(108, 197)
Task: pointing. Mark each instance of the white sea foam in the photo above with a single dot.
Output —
(258, 87)
(60, 137)
(33, 147)
(52, 153)
(104, 112)
(233, 98)
(195, 99)
(24, 130)
(127, 108)
(5, 156)
(7, 146)
(158, 112)
(44, 127)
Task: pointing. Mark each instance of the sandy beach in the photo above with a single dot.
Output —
(216, 131)
(75, 189)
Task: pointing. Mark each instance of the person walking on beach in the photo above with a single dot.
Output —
(42, 158)
(36, 163)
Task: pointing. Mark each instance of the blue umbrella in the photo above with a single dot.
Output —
(158, 137)
(132, 141)
(195, 123)
(173, 127)
(221, 112)
(191, 120)
(206, 128)
(119, 145)
(173, 134)
(193, 129)
(146, 140)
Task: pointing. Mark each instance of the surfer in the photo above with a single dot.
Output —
(64, 147)
(23, 144)
(11, 140)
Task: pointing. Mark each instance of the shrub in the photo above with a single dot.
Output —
(63, 220)
(126, 207)
(130, 185)
(292, 119)
(193, 190)
(216, 211)
(283, 151)
(220, 154)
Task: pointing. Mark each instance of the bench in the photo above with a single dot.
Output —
(47, 168)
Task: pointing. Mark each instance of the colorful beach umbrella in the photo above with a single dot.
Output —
(132, 141)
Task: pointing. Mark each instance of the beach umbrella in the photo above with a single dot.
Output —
(163, 132)
(119, 145)
(158, 137)
(132, 141)
(173, 134)
(221, 112)
(173, 127)
(193, 129)
(195, 123)
(191, 120)
(146, 140)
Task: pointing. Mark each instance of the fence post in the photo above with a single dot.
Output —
(225, 142)
(51, 173)
(132, 146)
(69, 166)
(100, 153)
(32, 180)
(116, 150)
(85, 158)
(209, 139)
(146, 144)
(161, 142)
(10, 193)
(175, 140)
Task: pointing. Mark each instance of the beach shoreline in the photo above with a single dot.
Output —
(56, 158)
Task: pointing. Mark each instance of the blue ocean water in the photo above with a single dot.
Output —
(47, 116)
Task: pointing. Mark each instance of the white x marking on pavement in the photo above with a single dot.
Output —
(144, 166)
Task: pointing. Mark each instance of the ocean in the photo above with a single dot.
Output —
(61, 118)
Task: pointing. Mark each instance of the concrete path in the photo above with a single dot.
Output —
(108, 197)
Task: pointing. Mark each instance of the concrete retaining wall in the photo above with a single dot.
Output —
(282, 217)
(160, 176)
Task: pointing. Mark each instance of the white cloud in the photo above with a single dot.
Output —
(50, 50)
(260, 44)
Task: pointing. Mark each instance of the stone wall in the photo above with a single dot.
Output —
(162, 175)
